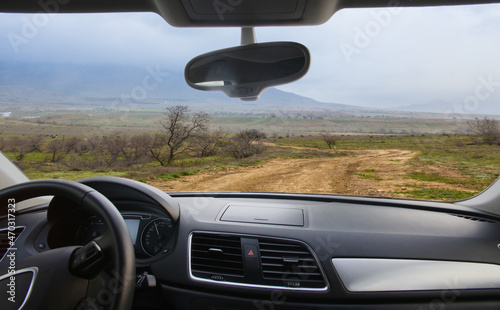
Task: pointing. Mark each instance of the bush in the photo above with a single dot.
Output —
(246, 143)
(486, 129)
(206, 144)
(330, 139)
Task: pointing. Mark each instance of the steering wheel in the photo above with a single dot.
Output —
(99, 275)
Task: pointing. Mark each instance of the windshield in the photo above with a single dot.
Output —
(397, 103)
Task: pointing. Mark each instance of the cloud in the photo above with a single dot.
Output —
(421, 55)
(398, 57)
(124, 38)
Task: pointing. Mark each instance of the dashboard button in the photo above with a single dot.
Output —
(251, 255)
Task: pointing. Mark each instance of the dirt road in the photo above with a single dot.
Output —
(367, 172)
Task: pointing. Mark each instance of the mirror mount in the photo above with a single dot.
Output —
(248, 35)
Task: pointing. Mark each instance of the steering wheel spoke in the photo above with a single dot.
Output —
(50, 276)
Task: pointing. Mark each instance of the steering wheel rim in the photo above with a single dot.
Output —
(115, 246)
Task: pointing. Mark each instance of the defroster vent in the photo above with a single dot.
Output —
(216, 257)
(473, 218)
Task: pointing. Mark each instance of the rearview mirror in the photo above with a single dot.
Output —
(246, 71)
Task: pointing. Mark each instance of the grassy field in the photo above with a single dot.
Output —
(37, 166)
(99, 123)
(441, 158)
(447, 159)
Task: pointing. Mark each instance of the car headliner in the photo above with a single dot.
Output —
(220, 13)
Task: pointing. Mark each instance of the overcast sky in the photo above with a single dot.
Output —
(369, 57)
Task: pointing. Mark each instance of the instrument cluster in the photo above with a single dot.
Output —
(151, 234)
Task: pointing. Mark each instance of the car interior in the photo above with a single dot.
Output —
(115, 243)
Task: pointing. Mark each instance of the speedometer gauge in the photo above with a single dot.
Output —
(155, 235)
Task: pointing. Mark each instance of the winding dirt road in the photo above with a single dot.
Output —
(367, 172)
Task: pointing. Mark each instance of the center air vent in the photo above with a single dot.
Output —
(216, 257)
(254, 261)
(290, 264)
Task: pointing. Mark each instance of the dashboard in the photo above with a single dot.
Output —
(285, 251)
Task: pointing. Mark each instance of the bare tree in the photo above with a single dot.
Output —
(329, 139)
(486, 129)
(72, 144)
(247, 143)
(122, 149)
(82, 147)
(206, 144)
(155, 146)
(115, 146)
(34, 143)
(93, 143)
(98, 155)
(138, 150)
(179, 128)
(20, 147)
(55, 148)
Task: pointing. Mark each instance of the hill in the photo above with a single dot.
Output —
(63, 86)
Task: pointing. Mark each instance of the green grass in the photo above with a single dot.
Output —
(432, 177)
(368, 176)
(189, 161)
(177, 175)
(73, 175)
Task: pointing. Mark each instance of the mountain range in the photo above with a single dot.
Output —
(147, 88)
(72, 86)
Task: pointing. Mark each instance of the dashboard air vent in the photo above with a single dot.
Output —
(254, 261)
(473, 218)
(216, 257)
(290, 264)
